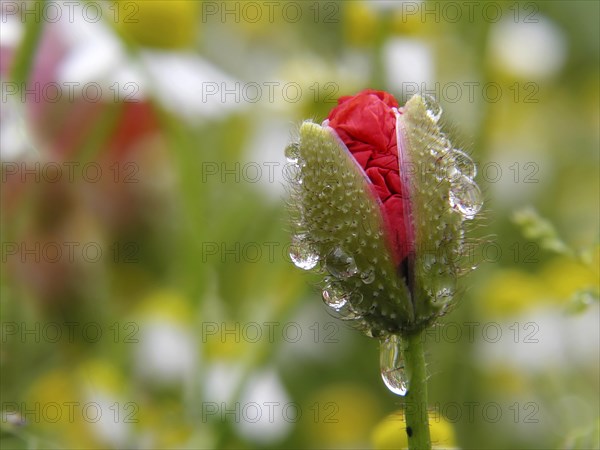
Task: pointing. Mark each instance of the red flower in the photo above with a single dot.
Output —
(366, 123)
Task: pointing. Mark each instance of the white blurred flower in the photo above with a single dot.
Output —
(178, 79)
(107, 412)
(271, 134)
(14, 137)
(166, 351)
(407, 61)
(529, 50)
(11, 30)
(266, 411)
(221, 380)
(109, 417)
(191, 87)
(542, 340)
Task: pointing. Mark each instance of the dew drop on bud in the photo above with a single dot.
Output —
(433, 108)
(334, 296)
(444, 295)
(302, 252)
(368, 331)
(464, 164)
(444, 292)
(465, 197)
(441, 148)
(368, 276)
(326, 192)
(391, 362)
(444, 143)
(340, 264)
(442, 289)
(292, 152)
(347, 311)
(342, 301)
(292, 173)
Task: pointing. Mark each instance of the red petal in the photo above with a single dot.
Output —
(366, 123)
(378, 180)
(394, 209)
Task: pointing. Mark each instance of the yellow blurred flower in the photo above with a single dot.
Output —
(164, 424)
(506, 381)
(167, 306)
(99, 375)
(255, 20)
(54, 409)
(318, 84)
(390, 433)
(360, 23)
(509, 292)
(565, 277)
(159, 23)
(341, 415)
(228, 340)
(409, 21)
(167, 351)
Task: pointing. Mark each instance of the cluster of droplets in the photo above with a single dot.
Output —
(441, 285)
(337, 294)
(464, 195)
(459, 198)
(391, 361)
(302, 250)
(340, 290)
(339, 264)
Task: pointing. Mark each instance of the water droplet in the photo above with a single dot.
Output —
(340, 264)
(434, 110)
(444, 295)
(464, 164)
(465, 197)
(444, 143)
(335, 296)
(303, 253)
(442, 288)
(292, 173)
(429, 260)
(326, 192)
(391, 362)
(368, 276)
(343, 301)
(292, 152)
(348, 310)
(367, 330)
(465, 270)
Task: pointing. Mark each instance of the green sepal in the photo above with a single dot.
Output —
(438, 229)
(333, 206)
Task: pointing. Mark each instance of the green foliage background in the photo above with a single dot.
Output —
(537, 249)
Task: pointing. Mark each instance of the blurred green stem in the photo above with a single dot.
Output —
(417, 418)
(25, 55)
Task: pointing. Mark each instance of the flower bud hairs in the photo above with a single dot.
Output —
(379, 203)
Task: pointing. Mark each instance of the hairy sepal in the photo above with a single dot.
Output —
(333, 206)
(438, 229)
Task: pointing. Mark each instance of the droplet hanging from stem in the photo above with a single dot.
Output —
(391, 360)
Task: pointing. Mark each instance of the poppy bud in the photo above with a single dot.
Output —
(379, 201)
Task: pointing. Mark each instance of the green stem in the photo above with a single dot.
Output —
(26, 53)
(417, 418)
